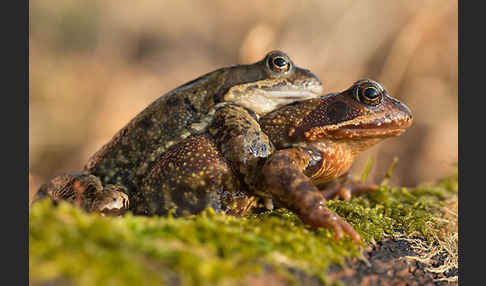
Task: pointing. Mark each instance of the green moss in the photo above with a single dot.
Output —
(69, 245)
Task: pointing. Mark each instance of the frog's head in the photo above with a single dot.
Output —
(272, 82)
(111, 201)
(362, 115)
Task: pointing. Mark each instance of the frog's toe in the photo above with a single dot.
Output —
(323, 217)
(339, 226)
(350, 231)
(344, 193)
(112, 201)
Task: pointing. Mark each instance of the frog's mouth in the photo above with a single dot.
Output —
(362, 133)
(283, 97)
(355, 131)
(385, 129)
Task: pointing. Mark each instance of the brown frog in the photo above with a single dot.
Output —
(316, 139)
(189, 109)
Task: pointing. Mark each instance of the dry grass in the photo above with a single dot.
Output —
(445, 243)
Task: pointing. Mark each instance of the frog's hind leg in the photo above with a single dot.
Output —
(77, 188)
(286, 181)
(189, 177)
(345, 187)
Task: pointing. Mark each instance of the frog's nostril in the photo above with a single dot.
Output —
(407, 111)
(405, 115)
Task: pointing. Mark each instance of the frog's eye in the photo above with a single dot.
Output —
(368, 93)
(279, 63)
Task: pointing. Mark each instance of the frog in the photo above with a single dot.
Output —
(314, 144)
(189, 109)
(317, 141)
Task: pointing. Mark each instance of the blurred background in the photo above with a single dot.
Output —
(95, 64)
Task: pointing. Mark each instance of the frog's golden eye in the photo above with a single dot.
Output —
(368, 94)
(279, 63)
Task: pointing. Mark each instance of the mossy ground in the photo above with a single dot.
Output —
(70, 246)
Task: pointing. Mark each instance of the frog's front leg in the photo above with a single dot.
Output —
(286, 174)
(344, 187)
(243, 144)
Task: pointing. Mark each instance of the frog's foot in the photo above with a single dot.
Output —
(345, 192)
(241, 206)
(112, 201)
(321, 216)
(76, 188)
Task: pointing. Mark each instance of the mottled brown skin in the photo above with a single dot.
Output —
(198, 172)
(316, 139)
(188, 178)
(188, 111)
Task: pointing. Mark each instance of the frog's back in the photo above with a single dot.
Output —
(165, 122)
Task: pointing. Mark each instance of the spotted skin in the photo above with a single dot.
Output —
(204, 170)
(188, 178)
(239, 138)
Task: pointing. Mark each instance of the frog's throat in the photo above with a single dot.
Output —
(267, 95)
(263, 101)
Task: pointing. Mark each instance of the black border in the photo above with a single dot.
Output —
(471, 113)
(15, 128)
(15, 118)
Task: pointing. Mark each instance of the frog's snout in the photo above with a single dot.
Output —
(403, 115)
(309, 81)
